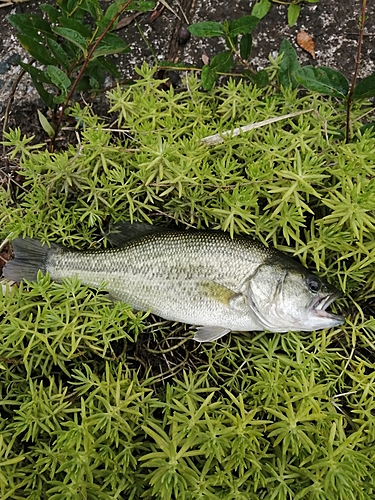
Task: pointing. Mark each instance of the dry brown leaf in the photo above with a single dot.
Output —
(125, 21)
(306, 42)
(166, 4)
(156, 12)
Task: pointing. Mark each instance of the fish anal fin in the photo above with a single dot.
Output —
(210, 333)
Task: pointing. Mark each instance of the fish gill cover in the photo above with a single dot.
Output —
(100, 401)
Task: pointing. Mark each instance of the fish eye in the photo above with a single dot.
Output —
(313, 284)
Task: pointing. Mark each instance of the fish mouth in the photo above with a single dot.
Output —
(322, 303)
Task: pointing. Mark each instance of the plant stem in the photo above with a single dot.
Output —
(84, 65)
(236, 52)
(146, 42)
(357, 61)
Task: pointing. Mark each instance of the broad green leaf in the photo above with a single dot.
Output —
(208, 78)
(36, 50)
(93, 7)
(77, 14)
(36, 73)
(47, 97)
(365, 88)
(207, 29)
(141, 6)
(84, 84)
(51, 12)
(72, 6)
(293, 13)
(260, 79)
(72, 36)
(39, 77)
(288, 66)
(108, 66)
(47, 127)
(222, 63)
(177, 65)
(31, 25)
(59, 99)
(245, 45)
(102, 25)
(59, 78)
(96, 70)
(261, 9)
(94, 83)
(369, 126)
(110, 12)
(72, 24)
(111, 44)
(242, 25)
(59, 53)
(70, 50)
(323, 80)
(63, 4)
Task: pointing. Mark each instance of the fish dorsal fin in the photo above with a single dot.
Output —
(120, 233)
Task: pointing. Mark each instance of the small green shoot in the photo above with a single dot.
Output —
(238, 49)
(327, 81)
(262, 7)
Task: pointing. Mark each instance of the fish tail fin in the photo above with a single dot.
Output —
(30, 256)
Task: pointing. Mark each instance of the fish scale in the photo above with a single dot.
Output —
(196, 277)
(162, 273)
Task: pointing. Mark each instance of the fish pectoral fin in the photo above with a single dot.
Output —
(238, 302)
(210, 333)
(221, 293)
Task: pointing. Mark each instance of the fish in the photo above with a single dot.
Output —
(204, 278)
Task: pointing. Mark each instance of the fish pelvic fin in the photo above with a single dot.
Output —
(210, 333)
(30, 256)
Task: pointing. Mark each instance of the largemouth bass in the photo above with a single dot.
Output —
(202, 278)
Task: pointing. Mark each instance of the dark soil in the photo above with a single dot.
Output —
(333, 25)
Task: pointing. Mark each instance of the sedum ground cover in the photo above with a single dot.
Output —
(101, 402)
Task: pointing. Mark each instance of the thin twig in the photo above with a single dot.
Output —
(10, 100)
(182, 12)
(219, 138)
(357, 61)
(10, 3)
(241, 59)
(166, 4)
